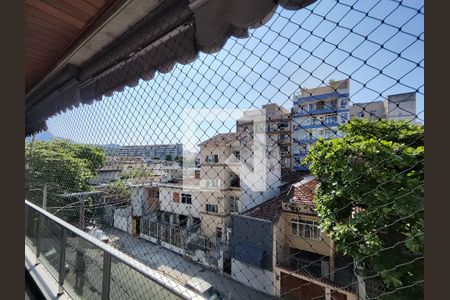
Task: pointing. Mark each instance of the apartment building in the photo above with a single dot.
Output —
(147, 152)
(275, 120)
(238, 171)
(395, 107)
(317, 113)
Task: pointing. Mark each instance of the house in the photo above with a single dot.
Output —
(317, 113)
(115, 167)
(179, 213)
(306, 260)
(275, 121)
(166, 170)
(278, 248)
(107, 174)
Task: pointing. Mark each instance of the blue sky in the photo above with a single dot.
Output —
(328, 40)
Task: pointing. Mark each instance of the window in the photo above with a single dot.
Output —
(176, 197)
(212, 208)
(283, 125)
(219, 232)
(344, 117)
(360, 114)
(343, 102)
(305, 229)
(331, 119)
(236, 157)
(234, 204)
(213, 158)
(212, 183)
(186, 198)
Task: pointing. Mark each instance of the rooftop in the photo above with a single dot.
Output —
(303, 192)
(224, 138)
(339, 84)
(269, 210)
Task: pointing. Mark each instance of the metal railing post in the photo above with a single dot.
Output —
(106, 275)
(62, 261)
(39, 236)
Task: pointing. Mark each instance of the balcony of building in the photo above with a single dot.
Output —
(314, 266)
(71, 264)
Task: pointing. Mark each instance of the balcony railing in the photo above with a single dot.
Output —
(85, 267)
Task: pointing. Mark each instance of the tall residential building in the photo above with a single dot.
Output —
(147, 152)
(275, 120)
(317, 113)
(395, 107)
(238, 171)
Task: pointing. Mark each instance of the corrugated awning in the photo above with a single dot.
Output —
(174, 33)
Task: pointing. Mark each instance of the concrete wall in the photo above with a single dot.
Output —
(139, 195)
(209, 223)
(122, 219)
(252, 232)
(260, 171)
(254, 277)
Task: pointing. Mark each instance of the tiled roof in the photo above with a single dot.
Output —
(303, 192)
(224, 138)
(269, 210)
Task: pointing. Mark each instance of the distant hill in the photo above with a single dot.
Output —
(44, 137)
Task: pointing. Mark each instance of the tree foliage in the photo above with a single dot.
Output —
(370, 200)
(63, 166)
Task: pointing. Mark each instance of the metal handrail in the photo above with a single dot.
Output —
(167, 283)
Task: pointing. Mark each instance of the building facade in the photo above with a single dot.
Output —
(275, 120)
(147, 152)
(279, 249)
(317, 113)
(395, 107)
(307, 264)
(401, 107)
(238, 171)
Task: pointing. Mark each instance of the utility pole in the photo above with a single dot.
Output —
(332, 259)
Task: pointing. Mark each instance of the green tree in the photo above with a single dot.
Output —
(370, 200)
(63, 166)
(168, 157)
(117, 191)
